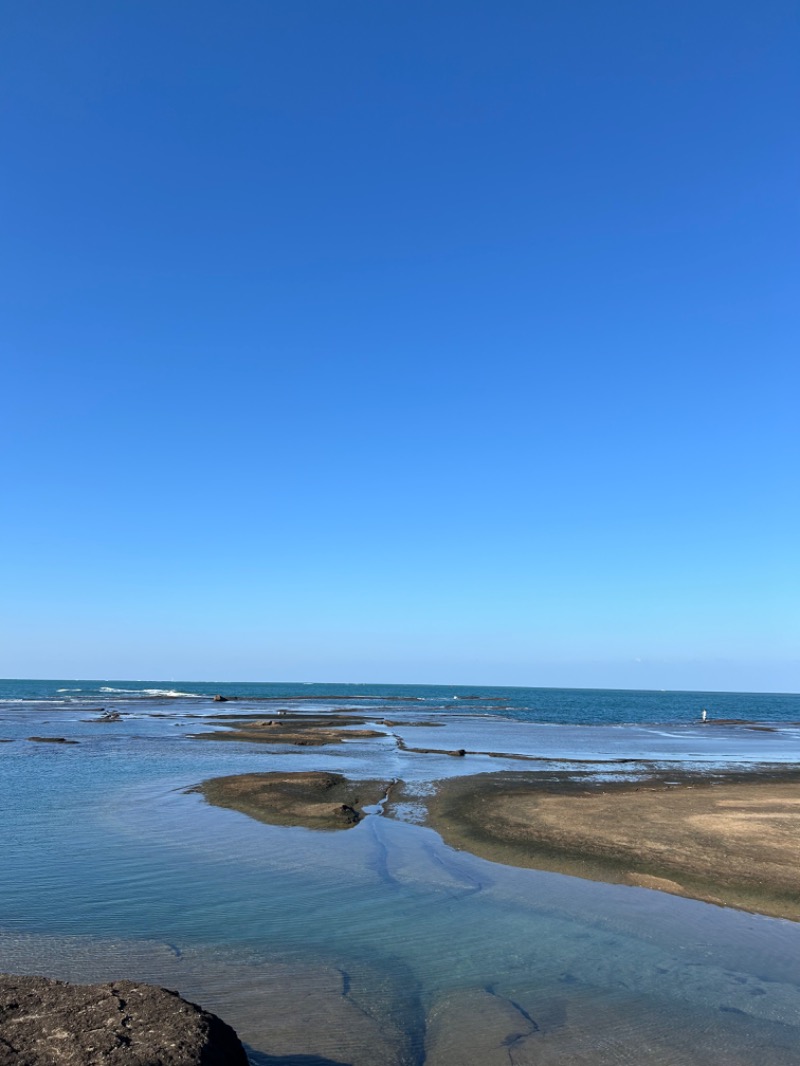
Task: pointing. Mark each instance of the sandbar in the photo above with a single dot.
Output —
(724, 837)
(312, 799)
(300, 730)
(731, 839)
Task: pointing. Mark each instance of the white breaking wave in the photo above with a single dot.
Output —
(172, 692)
(149, 692)
(31, 699)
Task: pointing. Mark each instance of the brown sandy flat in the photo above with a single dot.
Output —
(313, 799)
(300, 730)
(733, 840)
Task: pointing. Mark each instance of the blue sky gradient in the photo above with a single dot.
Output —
(451, 342)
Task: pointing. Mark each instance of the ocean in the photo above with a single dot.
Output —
(543, 705)
(381, 944)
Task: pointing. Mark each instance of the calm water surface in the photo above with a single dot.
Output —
(380, 944)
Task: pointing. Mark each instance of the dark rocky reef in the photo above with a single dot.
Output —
(50, 1023)
(53, 740)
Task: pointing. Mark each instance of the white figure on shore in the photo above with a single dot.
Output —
(704, 715)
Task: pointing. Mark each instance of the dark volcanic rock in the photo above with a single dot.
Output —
(50, 1023)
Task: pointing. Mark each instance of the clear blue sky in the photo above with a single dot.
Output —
(382, 341)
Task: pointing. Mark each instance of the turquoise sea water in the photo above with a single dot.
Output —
(380, 944)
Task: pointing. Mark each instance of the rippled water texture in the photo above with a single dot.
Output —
(379, 945)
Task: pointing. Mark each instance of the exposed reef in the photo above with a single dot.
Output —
(301, 730)
(314, 800)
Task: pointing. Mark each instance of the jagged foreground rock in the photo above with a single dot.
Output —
(51, 1023)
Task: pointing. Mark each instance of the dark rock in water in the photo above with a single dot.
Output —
(220, 699)
(347, 814)
(53, 740)
(50, 1023)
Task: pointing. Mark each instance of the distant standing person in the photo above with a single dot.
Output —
(704, 715)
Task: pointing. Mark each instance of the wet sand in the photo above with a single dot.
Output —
(300, 730)
(731, 839)
(314, 800)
